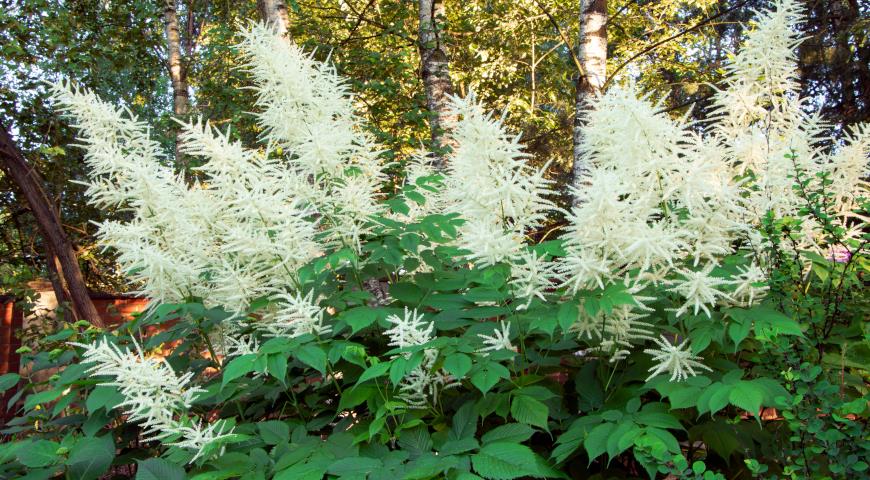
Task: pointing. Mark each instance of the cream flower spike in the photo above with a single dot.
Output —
(674, 359)
(499, 340)
(154, 395)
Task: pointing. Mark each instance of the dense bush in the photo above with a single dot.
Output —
(700, 316)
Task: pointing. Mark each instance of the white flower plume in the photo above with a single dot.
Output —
(676, 360)
(153, 395)
(490, 184)
(499, 340)
(423, 383)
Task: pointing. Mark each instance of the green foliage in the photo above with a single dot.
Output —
(312, 406)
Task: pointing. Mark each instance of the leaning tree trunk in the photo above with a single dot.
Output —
(592, 56)
(435, 70)
(59, 248)
(177, 72)
(274, 12)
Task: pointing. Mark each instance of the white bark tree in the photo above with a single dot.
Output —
(592, 57)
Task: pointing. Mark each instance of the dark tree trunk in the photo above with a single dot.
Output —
(435, 71)
(59, 252)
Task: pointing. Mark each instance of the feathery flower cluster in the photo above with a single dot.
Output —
(154, 396)
(297, 315)
(306, 110)
(615, 332)
(423, 382)
(762, 125)
(498, 195)
(674, 359)
(243, 232)
(663, 205)
(499, 340)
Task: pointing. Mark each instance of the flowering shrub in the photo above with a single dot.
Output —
(311, 325)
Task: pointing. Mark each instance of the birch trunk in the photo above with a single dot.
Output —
(592, 55)
(274, 12)
(435, 71)
(59, 251)
(177, 72)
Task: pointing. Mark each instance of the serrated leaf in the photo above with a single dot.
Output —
(375, 371)
(277, 365)
(359, 317)
(567, 315)
(40, 453)
(596, 442)
(747, 396)
(9, 380)
(159, 469)
(238, 367)
(90, 458)
(457, 365)
(313, 356)
(459, 445)
(488, 376)
(355, 466)
(530, 411)
(658, 419)
(621, 438)
(511, 432)
(274, 432)
(504, 461)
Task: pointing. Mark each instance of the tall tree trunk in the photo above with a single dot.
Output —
(177, 71)
(592, 56)
(435, 70)
(59, 248)
(274, 12)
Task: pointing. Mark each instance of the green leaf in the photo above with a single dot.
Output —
(416, 441)
(621, 438)
(488, 376)
(238, 367)
(747, 396)
(464, 421)
(303, 471)
(313, 356)
(457, 365)
(355, 396)
(567, 315)
(530, 411)
(503, 460)
(71, 374)
(90, 458)
(737, 331)
(719, 399)
(9, 380)
(357, 466)
(769, 322)
(596, 442)
(359, 317)
(40, 453)
(658, 419)
(277, 365)
(375, 371)
(103, 396)
(274, 432)
(459, 445)
(511, 432)
(159, 469)
(407, 293)
(42, 397)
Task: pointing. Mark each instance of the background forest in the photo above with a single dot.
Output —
(519, 56)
